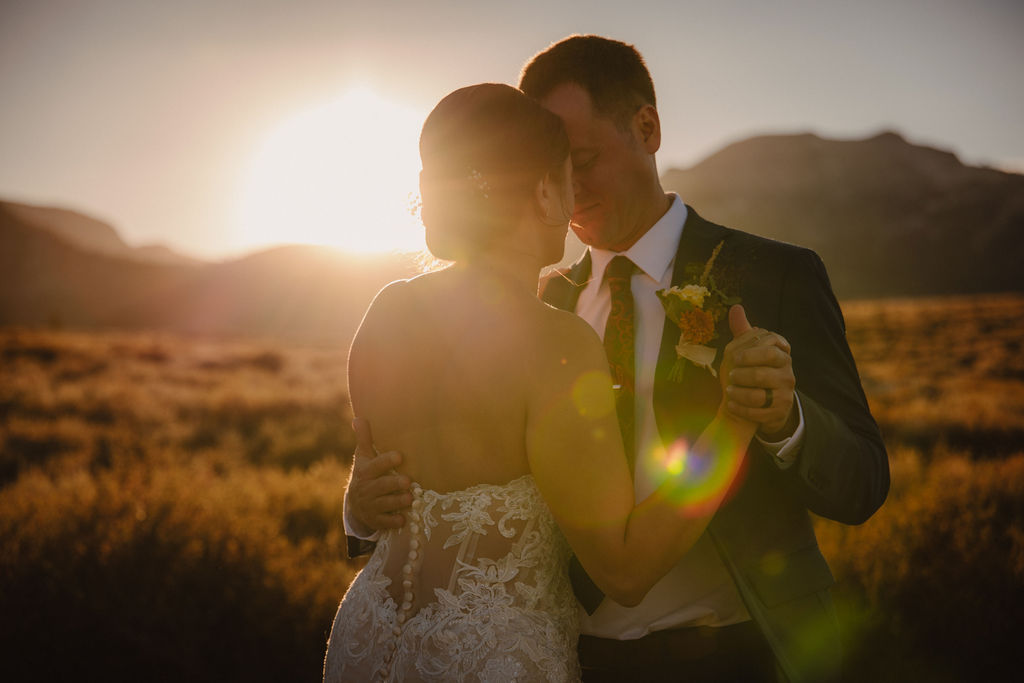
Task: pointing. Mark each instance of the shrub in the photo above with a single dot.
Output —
(933, 584)
(170, 575)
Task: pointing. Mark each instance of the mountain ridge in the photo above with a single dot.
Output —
(91, 233)
(299, 293)
(889, 218)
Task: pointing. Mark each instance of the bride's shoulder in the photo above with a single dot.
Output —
(400, 294)
(389, 307)
(424, 285)
(391, 293)
(567, 338)
(563, 321)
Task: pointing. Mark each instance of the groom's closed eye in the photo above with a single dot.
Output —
(583, 160)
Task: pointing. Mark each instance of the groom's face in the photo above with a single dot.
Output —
(610, 172)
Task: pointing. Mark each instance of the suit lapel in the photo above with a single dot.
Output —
(683, 409)
(562, 289)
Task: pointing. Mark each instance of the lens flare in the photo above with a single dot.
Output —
(703, 478)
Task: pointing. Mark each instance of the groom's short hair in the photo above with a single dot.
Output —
(613, 73)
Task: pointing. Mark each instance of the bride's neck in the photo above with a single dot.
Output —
(512, 269)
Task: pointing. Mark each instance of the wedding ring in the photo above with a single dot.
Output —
(767, 399)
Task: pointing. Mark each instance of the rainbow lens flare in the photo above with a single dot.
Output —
(703, 479)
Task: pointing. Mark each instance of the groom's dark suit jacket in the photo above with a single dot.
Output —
(763, 531)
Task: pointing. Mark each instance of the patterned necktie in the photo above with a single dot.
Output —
(619, 344)
(619, 347)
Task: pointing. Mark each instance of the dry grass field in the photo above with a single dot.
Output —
(171, 504)
(944, 371)
(170, 508)
(932, 586)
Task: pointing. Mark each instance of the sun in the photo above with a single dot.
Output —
(342, 174)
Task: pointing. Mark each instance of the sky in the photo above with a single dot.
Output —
(220, 127)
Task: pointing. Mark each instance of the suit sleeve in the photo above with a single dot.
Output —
(360, 540)
(357, 547)
(842, 471)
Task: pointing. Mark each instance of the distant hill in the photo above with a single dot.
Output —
(888, 217)
(90, 234)
(307, 294)
(296, 292)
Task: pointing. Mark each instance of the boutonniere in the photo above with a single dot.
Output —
(696, 308)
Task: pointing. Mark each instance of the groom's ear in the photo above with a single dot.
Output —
(647, 127)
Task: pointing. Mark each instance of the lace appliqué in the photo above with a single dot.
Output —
(472, 518)
(502, 616)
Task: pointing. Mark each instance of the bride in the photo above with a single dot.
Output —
(505, 409)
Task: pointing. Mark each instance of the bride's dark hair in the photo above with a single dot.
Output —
(484, 148)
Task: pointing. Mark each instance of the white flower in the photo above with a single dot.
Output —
(695, 294)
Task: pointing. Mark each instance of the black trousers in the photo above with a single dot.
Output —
(728, 653)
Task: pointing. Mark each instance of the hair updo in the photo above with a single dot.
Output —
(483, 149)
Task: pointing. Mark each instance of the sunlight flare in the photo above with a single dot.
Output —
(703, 478)
(342, 174)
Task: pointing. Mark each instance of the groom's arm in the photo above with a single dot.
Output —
(815, 422)
(842, 470)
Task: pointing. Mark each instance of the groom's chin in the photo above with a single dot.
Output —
(585, 235)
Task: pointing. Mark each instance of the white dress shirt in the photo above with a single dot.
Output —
(698, 590)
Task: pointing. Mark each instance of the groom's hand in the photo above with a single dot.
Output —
(376, 494)
(760, 382)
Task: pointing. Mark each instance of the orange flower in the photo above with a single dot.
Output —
(698, 326)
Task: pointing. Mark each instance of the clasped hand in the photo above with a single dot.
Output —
(757, 378)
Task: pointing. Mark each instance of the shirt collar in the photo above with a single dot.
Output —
(654, 252)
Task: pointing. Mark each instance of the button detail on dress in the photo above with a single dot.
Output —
(408, 574)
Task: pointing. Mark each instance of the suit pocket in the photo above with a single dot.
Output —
(779, 578)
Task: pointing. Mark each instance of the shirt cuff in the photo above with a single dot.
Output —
(784, 452)
(354, 528)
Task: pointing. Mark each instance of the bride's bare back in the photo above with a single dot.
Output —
(441, 369)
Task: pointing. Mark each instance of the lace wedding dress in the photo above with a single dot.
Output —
(474, 588)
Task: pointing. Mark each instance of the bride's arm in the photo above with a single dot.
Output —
(576, 456)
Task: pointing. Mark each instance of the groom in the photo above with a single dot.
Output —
(751, 600)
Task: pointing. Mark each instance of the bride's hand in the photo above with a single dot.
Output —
(376, 494)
